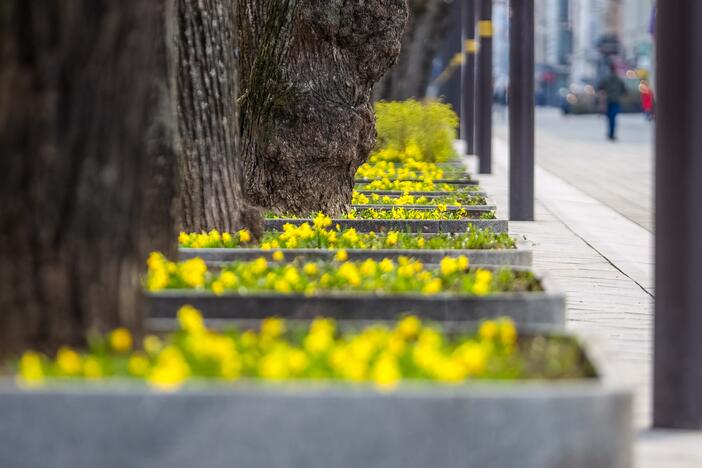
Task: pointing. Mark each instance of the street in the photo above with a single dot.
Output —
(618, 174)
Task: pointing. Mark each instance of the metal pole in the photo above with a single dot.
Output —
(470, 47)
(677, 379)
(521, 110)
(483, 117)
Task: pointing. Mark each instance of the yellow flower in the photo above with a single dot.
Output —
(450, 370)
(193, 272)
(409, 326)
(488, 330)
(322, 221)
(421, 242)
(386, 372)
(226, 239)
(278, 256)
(121, 340)
(259, 265)
(297, 361)
(310, 269)
(462, 262)
(92, 368)
(432, 287)
(350, 273)
(183, 238)
(483, 276)
(392, 238)
(170, 370)
(474, 357)
(31, 371)
(138, 365)
(218, 288)
(266, 246)
(152, 344)
(341, 255)
(282, 286)
(448, 266)
(369, 267)
(481, 288)
(68, 361)
(191, 320)
(273, 366)
(244, 236)
(386, 265)
(273, 327)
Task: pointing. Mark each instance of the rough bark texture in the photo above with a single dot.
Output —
(211, 194)
(87, 166)
(308, 68)
(425, 30)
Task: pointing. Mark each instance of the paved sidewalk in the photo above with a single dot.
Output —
(603, 261)
(618, 174)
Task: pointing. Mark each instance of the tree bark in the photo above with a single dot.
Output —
(88, 165)
(211, 193)
(425, 30)
(308, 68)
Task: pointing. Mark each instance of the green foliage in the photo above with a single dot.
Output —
(423, 131)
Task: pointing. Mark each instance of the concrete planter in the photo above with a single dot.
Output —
(397, 193)
(534, 309)
(456, 181)
(469, 208)
(526, 425)
(404, 225)
(501, 257)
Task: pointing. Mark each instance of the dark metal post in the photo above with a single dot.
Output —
(678, 322)
(470, 47)
(483, 116)
(521, 110)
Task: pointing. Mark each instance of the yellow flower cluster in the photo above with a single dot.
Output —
(161, 273)
(379, 354)
(305, 236)
(409, 169)
(440, 212)
(424, 185)
(213, 239)
(404, 276)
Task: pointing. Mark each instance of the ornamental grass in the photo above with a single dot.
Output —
(381, 354)
(406, 275)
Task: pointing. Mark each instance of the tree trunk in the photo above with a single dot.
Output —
(425, 30)
(86, 131)
(308, 68)
(211, 193)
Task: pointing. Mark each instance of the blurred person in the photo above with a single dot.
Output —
(612, 88)
(646, 100)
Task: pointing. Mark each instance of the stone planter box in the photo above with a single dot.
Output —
(497, 257)
(404, 225)
(469, 208)
(458, 181)
(397, 193)
(526, 425)
(534, 309)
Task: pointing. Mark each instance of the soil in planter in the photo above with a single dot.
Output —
(382, 354)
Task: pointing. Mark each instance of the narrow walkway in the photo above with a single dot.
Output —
(603, 261)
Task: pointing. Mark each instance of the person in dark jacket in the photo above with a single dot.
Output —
(613, 89)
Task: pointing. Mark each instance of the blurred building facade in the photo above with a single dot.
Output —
(577, 39)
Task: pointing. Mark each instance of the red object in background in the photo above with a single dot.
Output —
(646, 99)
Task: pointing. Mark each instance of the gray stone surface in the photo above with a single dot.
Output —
(542, 309)
(405, 225)
(507, 257)
(577, 425)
